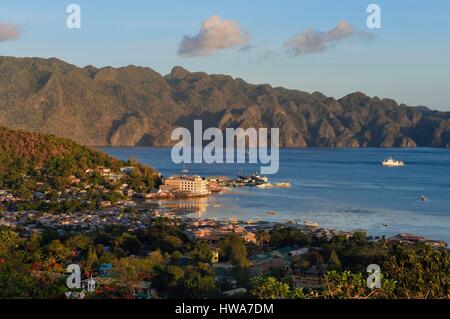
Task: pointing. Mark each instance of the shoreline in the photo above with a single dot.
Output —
(319, 197)
(327, 232)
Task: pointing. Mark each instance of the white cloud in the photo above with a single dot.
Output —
(215, 34)
(313, 41)
(8, 32)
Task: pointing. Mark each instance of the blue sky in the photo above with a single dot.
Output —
(408, 60)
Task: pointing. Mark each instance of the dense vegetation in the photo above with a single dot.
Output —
(180, 268)
(138, 106)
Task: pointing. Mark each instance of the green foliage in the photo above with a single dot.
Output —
(334, 263)
(287, 236)
(91, 259)
(347, 285)
(356, 253)
(201, 252)
(131, 270)
(58, 252)
(8, 240)
(167, 278)
(271, 288)
(198, 282)
(128, 244)
(268, 288)
(163, 235)
(33, 267)
(79, 241)
(193, 281)
(233, 249)
(420, 272)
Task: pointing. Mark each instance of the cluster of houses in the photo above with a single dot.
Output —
(213, 232)
(6, 197)
(405, 238)
(33, 221)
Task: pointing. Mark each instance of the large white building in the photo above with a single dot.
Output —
(188, 184)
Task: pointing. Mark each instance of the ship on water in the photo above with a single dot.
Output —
(390, 162)
(274, 185)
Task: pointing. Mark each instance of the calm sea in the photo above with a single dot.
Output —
(344, 189)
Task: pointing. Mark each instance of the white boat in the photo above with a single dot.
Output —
(390, 162)
(311, 224)
(276, 185)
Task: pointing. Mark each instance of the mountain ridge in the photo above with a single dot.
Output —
(137, 106)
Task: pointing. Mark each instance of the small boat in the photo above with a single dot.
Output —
(423, 198)
(276, 185)
(390, 162)
(271, 213)
(311, 224)
(283, 185)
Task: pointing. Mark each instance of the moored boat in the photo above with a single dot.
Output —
(390, 162)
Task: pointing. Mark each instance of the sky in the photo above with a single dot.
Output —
(315, 45)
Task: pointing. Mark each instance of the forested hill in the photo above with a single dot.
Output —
(32, 161)
(138, 106)
(34, 150)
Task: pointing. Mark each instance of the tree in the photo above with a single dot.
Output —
(79, 241)
(166, 279)
(128, 271)
(285, 236)
(128, 243)
(333, 262)
(360, 238)
(201, 252)
(91, 258)
(198, 282)
(58, 252)
(170, 243)
(233, 249)
(268, 288)
(8, 240)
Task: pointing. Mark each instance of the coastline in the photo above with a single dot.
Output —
(336, 187)
(316, 230)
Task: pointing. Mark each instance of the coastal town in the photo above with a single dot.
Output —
(129, 215)
(101, 201)
(130, 212)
